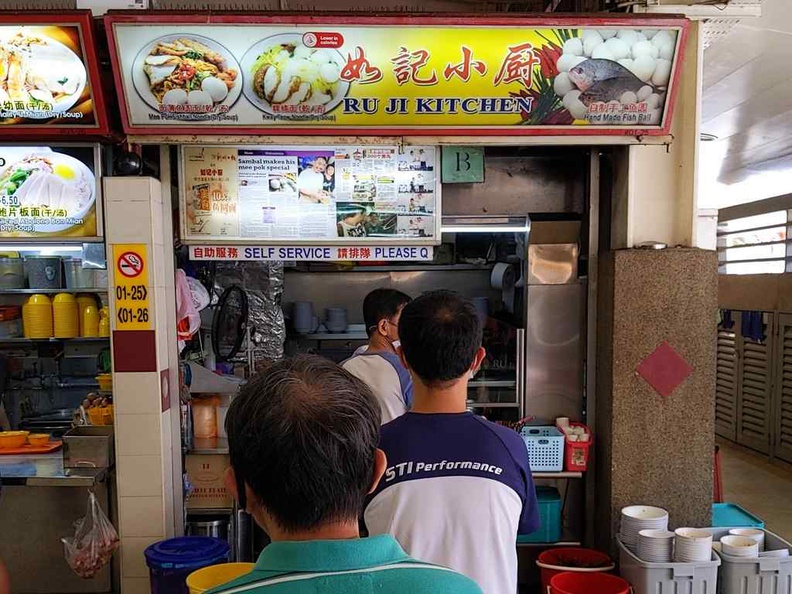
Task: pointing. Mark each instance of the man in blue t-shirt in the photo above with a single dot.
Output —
(457, 488)
(303, 442)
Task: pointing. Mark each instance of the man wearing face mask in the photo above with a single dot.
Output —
(457, 488)
(378, 364)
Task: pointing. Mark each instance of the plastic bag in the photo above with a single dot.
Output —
(94, 541)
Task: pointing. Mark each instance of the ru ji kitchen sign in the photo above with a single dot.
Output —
(415, 75)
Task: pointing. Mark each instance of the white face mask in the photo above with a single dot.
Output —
(395, 344)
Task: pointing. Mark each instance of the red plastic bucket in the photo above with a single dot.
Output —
(572, 559)
(588, 583)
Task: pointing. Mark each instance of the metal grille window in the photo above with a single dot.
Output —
(755, 244)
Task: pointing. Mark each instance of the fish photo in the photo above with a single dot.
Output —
(284, 77)
(186, 75)
(615, 72)
(42, 74)
(49, 180)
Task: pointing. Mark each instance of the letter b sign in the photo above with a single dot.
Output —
(463, 165)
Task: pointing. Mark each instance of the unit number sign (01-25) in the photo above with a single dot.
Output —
(132, 308)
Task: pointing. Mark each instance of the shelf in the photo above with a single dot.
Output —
(472, 404)
(49, 291)
(216, 446)
(557, 475)
(487, 383)
(51, 340)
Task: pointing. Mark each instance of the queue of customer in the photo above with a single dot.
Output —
(443, 492)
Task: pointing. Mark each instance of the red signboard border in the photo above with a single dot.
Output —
(301, 19)
(84, 21)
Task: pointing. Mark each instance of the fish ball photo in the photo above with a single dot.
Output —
(644, 48)
(570, 98)
(649, 33)
(578, 110)
(628, 98)
(591, 43)
(568, 61)
(608, 33)
(574, 46)
(627, 63)
(216, 88)
(644, 68)
(618, 48)
(628, 36)
(663, 38)
(667, 51)
(653, 101)
(602, 52)
(662, 74)
(644, 92)
(175, 97)
(562, 85)
(199, 98)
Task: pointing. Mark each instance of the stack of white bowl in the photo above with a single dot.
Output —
(739, 546)
(655, 546)
(752, 533)
(692, 545)
(640, 517)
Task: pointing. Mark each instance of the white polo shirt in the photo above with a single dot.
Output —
(387, 378)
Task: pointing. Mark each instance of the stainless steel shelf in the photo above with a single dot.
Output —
(209, 446)
(488, 383)
(470, 403)
(557, 475)
(547, 545)
(49, 291)
(335, 336)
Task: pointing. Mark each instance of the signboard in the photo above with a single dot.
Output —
(49, 79)
(310, 195)
(320, 253)
(463, 164)
(326, 75)
(49, 192)
(132, 308)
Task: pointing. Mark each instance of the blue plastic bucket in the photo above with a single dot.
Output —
(171, 561)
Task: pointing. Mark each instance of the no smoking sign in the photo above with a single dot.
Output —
(130, 264)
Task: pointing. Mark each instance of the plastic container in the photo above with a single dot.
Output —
(576, 453)
(204, 411)
(171, 561)
(10, 321)
(37, 317)
(572, 559)
(732, 515)
(105, 381)
(78, 277)
(207, 578)
(654, 578)
(104, 322)
(765, 575)
(38, 439)
(588, 583)
(12, 273)
(549, 502)
(13, 439)
(43, 272)
(65, 315)
(545, 448)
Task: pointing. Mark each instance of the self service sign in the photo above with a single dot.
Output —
(298, 253)
(402, 75)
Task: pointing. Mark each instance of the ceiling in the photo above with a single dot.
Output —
(747, 105)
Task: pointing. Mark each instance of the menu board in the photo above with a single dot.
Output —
(346, 194)
(516, 76)
(49, 192)
(47, 73)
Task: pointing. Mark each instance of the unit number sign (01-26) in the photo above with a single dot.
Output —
(132, 308)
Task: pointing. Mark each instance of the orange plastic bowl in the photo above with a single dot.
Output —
(13, 439)
(38, 439)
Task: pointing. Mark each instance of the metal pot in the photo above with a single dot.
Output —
(209, 527)
(78, 277)
(12, 273)
(43, 272)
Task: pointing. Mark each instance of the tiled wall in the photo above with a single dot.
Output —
(147, 446)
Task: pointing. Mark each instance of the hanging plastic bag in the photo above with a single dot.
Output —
(94, 541)
(188, 320)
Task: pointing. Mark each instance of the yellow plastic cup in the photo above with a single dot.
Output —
(203, 580)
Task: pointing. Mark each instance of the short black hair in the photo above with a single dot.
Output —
(303, 434)
(440, 334)
(382, 304)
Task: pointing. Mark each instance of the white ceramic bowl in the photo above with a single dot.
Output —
(779, 554)
(752, 533)
(694, 534)
(739, 546)
(644, 512)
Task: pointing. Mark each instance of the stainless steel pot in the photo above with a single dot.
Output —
(12, 273)
(209, 527)
(78, 277)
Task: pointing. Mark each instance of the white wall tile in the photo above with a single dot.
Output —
(141, 516)
(135, 585)
(139, 476)
(138, 435)
(136, 393)
(133, 561)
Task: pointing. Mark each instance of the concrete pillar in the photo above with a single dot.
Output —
(654, 449)
(146, 408)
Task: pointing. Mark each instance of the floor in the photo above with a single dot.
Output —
(762, 488)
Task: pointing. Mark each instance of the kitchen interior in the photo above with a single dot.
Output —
(516, 244)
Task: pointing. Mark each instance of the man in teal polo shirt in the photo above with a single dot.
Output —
(303, 441)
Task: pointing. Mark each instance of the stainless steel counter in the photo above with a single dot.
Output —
(46, 470)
